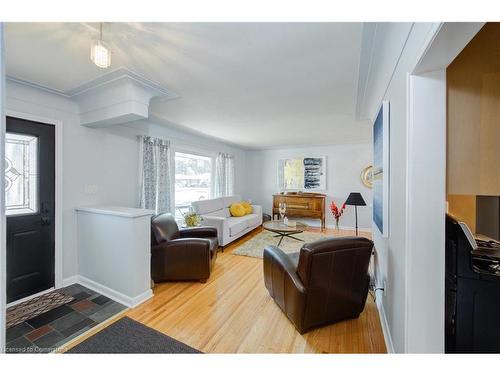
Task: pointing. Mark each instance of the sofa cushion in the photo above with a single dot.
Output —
(208, 206)
(252, 220)
(237, 210)
(237, 225)
(247, 206)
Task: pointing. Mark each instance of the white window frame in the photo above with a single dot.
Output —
(196, 152)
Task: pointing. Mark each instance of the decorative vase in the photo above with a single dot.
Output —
(282, 210)
(337, 223)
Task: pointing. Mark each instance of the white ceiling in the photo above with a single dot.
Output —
(257, 85)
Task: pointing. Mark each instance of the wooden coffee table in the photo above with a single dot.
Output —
(282, 230)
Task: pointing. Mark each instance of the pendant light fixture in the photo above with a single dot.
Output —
(100, 53)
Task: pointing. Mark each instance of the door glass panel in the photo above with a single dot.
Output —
(21, 174)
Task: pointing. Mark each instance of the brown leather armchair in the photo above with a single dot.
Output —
(185, 254)
(325, 283)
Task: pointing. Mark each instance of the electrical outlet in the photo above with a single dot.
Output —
(91, 189)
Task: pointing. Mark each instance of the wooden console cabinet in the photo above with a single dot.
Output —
(310, 205)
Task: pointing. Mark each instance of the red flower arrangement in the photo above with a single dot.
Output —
(336, 212)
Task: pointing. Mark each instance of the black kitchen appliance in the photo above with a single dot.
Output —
(472, 291)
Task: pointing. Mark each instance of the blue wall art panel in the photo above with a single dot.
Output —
(381, 169)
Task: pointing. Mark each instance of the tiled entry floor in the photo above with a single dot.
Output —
(51, 330)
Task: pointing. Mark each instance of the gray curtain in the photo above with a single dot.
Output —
(155, 190)
(224, 175)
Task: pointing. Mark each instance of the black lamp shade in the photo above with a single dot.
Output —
(355, 199)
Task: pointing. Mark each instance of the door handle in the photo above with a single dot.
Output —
(45, 219)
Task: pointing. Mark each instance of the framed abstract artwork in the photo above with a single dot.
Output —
(380, 173)
(302, 173)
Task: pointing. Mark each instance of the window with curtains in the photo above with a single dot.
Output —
(224, 175)
(193, 180)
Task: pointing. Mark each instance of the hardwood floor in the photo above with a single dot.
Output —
(233, 313)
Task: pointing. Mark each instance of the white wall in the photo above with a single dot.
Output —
(391, 252)
(344, 166)
(100, 166)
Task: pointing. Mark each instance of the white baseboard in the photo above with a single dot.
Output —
(383, 322)
(70, 281)
(329, 226)
(108, 292)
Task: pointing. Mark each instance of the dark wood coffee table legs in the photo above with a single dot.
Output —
(287, 234)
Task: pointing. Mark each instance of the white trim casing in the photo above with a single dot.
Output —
(425, 221)
(3, 253)
(17, 302)
(58, 267)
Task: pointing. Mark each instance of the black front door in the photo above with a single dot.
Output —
(30, 206)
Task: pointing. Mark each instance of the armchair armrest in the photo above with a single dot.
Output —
(188, 246)
(284, 285)
(181, 259)
(198, 232)
(275, 257)
(257, 210)
(217, 222)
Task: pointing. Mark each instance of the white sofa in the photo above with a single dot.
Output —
(215, 213)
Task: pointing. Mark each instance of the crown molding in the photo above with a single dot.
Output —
(116, 97)
(121, 74)
(365, 64)
(36, 86)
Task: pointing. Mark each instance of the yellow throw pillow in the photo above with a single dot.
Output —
(237, 210)
(248, 207)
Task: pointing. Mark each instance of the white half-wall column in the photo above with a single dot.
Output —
(426, 196)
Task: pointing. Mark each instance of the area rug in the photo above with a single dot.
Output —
(36, 306)
(128, 336)
(255, 246)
